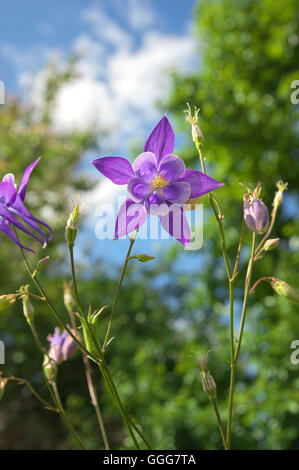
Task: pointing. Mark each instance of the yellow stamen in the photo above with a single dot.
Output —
(159, 182)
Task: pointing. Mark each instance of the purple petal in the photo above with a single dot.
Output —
(5, 213)
(4, 227)
(200, 183)
(155, 205)
(9, 178)
(172, 167)
(130, 217)
(25, 179)
(8, 193)
(161, 140)
(117, 169)
(138, 189)
(20, 210)
(145, 166)
(176, 224)
(178, 192)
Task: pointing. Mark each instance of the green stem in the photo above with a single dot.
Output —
(123, 272)
(103, 368)
(51, 307)
(219, 420)
(64, 417)
(34, 392)
(238, 347)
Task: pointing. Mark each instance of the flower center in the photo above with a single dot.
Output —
(159, 182)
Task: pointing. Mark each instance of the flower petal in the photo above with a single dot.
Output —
(4, 227)
(138, 189)
(155, 204)
(19, 209)
(161, 140)
(8, 193)
(200, 183)
(171, 167)
(178, 192)
(6, 214)
(130, 217)
(145, 166)
(176, 224)
(9, 178)
(25, 179)
(117, 169)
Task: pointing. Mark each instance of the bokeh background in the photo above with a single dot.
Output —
(86, 79)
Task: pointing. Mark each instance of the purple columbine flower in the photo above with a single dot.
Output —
(158, 184)
(256, 214)
(12, 209)
(62, 345)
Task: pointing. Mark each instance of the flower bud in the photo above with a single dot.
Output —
(271, 244)
(278, 198)
(196, 132)
(49, 369)
(208, 382)
(284, 289)
(72, 225)
(256, 214)
(42, 263)
(28, 309)
(62, 346)
(6, 301)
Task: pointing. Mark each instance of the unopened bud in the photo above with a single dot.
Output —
(284, 289)
(28, 309)
(271, 244)
(6, 301)
(278, 198)
(50, 370)
(208, 383)
(72, 225)
(256, 214)
(196, 132)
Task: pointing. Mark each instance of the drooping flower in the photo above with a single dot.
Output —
(62, 345)
(256, 214)
(13, 210)
(158, 184)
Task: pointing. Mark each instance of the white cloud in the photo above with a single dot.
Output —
(140, 14)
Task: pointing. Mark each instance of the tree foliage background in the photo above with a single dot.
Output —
(248, 54)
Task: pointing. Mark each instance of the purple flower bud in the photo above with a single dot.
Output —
(62, 346)
(256, 214)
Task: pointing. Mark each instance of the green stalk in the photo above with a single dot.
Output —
(238, 347)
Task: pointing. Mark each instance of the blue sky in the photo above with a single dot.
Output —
(126, 50)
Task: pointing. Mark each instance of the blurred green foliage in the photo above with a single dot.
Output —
(168, 309)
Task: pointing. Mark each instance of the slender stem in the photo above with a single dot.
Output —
(265, 278)
(239, 250)
(35, 393)
(103, 367)
(51, 307)
(123, 272)
(64, 417)
(219, 420)
(113, 390)
(36, 337)
(94, 399)
(238, 347)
